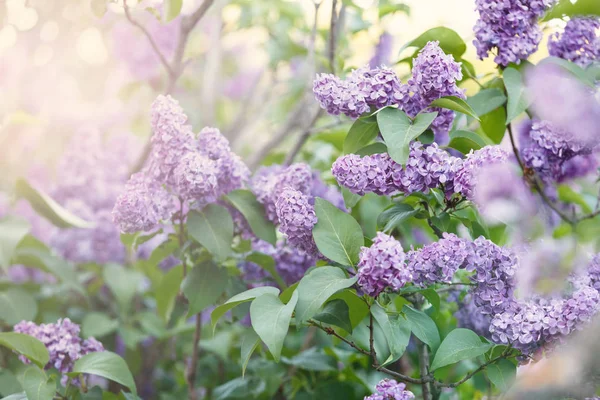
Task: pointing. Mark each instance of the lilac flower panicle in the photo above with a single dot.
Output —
(142, 205)
(509, 27)
(297, 219)
(435, 74)
(366, 174)
(579, 42)
(270, 182)
(389, 389)
(196, 178)
(62, 341)
(382, 266)
(464, 180)
(171, 138)
(594, 272)
(438, 262)
(427, 167)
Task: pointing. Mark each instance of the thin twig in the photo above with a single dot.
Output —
(472, 373)
(142, 28)
(332, 35)
(303, 137)
(535, 180)
(191, 375)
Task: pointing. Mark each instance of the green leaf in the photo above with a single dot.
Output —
(203, 285)
(398, 131)
(373, 148)
(396, 330)
(317, 287)
(268, 264)
(312, 360)
(517, 100)
(465, 141)
(568, 195)
(337, 234)
(450, 41)
(238, 299)
(17, 305)
(250, 342)
(386, 9)
(167, 290)
(362, 132)
(36, 384)
(432, 297)
(394, 216)
(26, 345)
(107, 365)
(460, 344)
(337, 313)
(212, 227)
(568, 8)
(456, 104)
(48, 208)
(357, 307)
(350, 199)
(16, 396)
(486, 101)
(271, 320)
(423, 327)
(502, 374)
(493, 124)
(12, 231)
(123, 283)
(173, 8)
(426, 137)
(245, 202)
(98, 324)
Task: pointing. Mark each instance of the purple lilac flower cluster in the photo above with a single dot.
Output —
(555, 154)
(579, 43)
(382, 266)
(528, 324)
(435, 75)
(427, 167)
(290, 263)
(389, 389)
(383, 51)
(287, 194)
(62, 341)
(510, 27)
(296, 220)
(197, 170)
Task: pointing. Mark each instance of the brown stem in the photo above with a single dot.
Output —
(424, 369)
(332, 35)
(191, 374)
(535, 180)
(472, 373)
(143, 29)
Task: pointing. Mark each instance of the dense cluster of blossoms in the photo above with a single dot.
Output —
(555, 154)
(427, 167)
(296, 220)
(382, 266)
(288, 195)
(389, 389)
(290, 263)
(510, 27)
(198, 170)
(579, 43)
(434, 75)
(62, 341)
(528, 324)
